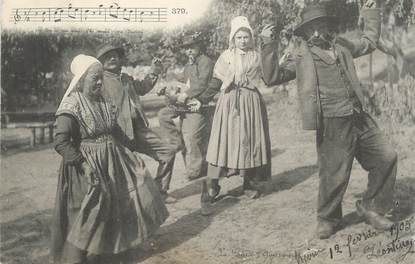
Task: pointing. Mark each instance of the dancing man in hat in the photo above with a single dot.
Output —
(125, 93)
(332, 103)
(193, 134)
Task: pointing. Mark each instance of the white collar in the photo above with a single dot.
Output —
(240, 52)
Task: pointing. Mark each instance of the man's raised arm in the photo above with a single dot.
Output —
(272, 72)
(368, 42)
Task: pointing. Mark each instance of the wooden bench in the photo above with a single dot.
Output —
(25, 117)
(34, 126)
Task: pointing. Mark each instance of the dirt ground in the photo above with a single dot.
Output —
(276, 228)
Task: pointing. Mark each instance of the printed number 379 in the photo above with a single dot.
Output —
(178, 11)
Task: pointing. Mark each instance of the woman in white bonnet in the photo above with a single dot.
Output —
(239, 141)
(106, 200)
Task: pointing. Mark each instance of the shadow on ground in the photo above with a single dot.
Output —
(26, 240)
(276, 152)
(194, 187)
(289, 179)
(404, 205)
(183, 229)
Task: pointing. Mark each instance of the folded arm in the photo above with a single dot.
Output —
(213, 88)
(67, 138)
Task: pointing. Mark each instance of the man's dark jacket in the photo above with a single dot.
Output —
(199, 75)
(301, 66)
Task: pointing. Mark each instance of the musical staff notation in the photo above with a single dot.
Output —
(112, 13)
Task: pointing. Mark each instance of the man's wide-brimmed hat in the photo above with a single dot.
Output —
(311, 13)
(192, 39)
(106, 47)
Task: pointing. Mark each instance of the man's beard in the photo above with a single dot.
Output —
(113, 67)
(323, 41)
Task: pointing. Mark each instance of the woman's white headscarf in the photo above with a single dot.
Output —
(237, 66)
(80, 64)
(236, 24)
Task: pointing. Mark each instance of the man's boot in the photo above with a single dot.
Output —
(374, 219)
(325, 229)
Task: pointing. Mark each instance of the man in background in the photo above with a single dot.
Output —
(125, 93)
(192, 136)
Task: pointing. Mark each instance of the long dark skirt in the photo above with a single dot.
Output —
(72, 188)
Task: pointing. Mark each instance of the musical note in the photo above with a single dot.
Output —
(86, 12)
(75, 10)
(71, 13)
(58, 13)
(141, 16)
(100, 8)
(129, 14)
(111, 7)
(150, 14)
(43, 16)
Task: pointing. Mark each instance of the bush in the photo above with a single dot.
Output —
(394, 104)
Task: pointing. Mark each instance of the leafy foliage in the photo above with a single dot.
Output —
(394, 104)
(401, 12)
(35, 65)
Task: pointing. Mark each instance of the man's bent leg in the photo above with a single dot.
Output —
(151, 144)
(378, 157)
(169, 128)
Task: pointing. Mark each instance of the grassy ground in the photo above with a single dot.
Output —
(277, 228)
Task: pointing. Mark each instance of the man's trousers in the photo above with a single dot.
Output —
(191, 137)
(342, 139)
(151, 144)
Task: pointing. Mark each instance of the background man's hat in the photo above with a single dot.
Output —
(106, 47)
(191, 39)
(311, 13)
